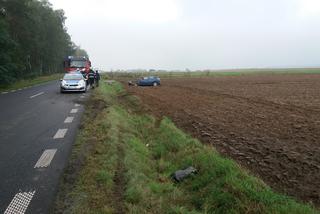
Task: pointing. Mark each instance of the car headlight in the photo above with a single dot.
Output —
(81, 83)
(63, 83)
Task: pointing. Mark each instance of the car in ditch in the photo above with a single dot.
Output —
(73, 82)
(149, 81)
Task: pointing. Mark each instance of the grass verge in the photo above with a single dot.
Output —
(214, 73)
(123, 158)
(30, 82)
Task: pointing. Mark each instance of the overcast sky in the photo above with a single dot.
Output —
(195, 34)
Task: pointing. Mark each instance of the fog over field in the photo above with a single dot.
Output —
(180, 34)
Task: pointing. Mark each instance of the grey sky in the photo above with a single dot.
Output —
(195, 34)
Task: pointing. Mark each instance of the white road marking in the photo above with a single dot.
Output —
(45, 158)
(36, 95)
(20, 203)
(13, 91)
(19, 89)
(76, 105)
(68, 120)
(82, 96)
(5, 92)
(73, 111)
(60, 133)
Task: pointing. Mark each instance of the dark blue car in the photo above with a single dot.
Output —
(149, 81)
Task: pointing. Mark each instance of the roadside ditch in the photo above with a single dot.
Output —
(123, 159)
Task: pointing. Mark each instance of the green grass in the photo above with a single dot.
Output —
(30, 82)
(213, 73)
(150, 151)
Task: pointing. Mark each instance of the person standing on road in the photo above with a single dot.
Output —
(97, 78)
(91, 78)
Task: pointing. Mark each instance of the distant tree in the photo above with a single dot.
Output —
(80, 52)
(33, 39)
(8, 68)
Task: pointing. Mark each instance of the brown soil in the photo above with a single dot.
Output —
(269, 124)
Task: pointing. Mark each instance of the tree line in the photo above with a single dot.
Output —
(33, 40)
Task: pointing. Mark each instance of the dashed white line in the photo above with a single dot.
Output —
(46, 158)
(5, 92)
(36, 95)
(68, 120)
(76, 105)
(60, 133)
(13, 91)
(73, 111)
(20, 203)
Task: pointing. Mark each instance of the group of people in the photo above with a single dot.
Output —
(92, 78)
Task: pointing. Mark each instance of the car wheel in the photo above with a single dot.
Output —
(155, 84)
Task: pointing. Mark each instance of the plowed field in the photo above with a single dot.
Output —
(269, 124)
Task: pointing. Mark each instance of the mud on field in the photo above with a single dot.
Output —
(270, 124)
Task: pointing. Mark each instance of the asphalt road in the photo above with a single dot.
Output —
(35, 142)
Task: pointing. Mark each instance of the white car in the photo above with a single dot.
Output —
(73, 82)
